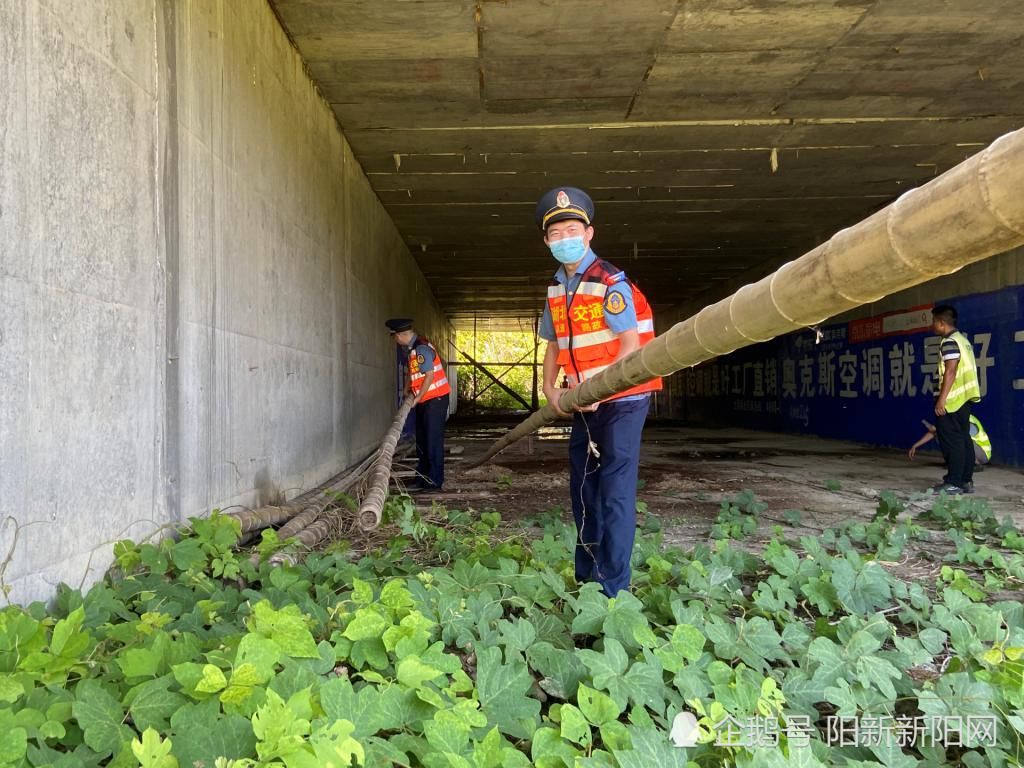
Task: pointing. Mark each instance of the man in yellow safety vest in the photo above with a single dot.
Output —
(979, 438)
(959, 390)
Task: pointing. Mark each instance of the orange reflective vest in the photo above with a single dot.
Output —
(586, 345)
(439, 386)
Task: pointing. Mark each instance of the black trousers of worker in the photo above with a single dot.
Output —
(430, 419)
(954, 433)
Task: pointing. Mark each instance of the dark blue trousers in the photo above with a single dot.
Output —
(430, 420)
(603, 490)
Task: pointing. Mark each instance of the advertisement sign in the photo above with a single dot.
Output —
(871, 380)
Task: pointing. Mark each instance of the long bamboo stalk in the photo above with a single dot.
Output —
(307, 539)
(970, 213)
(372, 508)
(262, 517)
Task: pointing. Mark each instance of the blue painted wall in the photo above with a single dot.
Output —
(870, 380)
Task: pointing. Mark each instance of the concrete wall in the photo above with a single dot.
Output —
(193, 278)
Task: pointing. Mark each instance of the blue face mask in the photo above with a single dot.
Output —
(568, 250)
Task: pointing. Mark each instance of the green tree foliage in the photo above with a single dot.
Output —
(498, 347)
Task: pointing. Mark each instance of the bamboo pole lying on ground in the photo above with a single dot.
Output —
(253, 520)
(372, 507)
(970, 213)
(307, 538)
(262, 517)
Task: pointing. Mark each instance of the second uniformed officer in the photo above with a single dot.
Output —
(426, 379)
(593, 317)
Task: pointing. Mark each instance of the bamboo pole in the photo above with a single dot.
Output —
(262, 517)
(970, 213)
(307, 538)
(380, 474)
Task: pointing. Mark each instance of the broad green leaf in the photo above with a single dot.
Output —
(591, 610)
(52, 730)
(140, 662)
(863, 591)
(651, 747)
(151, 704)
(688, 641)
(644, 684)
(340, 701)
(336, 747)
(625, 617)
(876, 672)
(200, 734)
(447, 732)
(280, 729)
(152, 752)
(397, 597)
(550, 750)
(11, 689)
(366, 624)
(261, 653)
(607, 666)
(517, 635)
(561, 671)
(409, 637)
(286, 627)
(212, 681)
(615, 736)
(827, 659)
(68, 638)
(412, 672)
(13, 739)
(502, 688)
(596, 706)
(101, 717)
(574, 726)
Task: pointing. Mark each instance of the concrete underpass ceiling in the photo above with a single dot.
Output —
(718, 137)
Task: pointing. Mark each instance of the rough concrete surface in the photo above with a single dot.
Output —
(193, 281)
(716, 136)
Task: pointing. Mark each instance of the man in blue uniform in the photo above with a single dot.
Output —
(425, 378)
(593, 317)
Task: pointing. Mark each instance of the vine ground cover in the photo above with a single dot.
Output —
(464, 642)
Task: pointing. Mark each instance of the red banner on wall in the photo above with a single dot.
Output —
(890, 324)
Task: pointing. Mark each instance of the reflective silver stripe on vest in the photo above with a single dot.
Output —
(590, 339)
(592, 289)
(645, 326)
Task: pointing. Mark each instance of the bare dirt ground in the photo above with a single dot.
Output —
(686, 472)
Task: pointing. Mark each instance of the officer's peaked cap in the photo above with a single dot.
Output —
(563, 203)
(399, 324)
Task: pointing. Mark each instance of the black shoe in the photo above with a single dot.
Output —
(947, 488)
(422, 488)
(969, 486)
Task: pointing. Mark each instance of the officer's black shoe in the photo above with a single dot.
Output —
(969, 486)
(947, 488)
(422, 488)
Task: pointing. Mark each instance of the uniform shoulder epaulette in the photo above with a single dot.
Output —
(617, 277)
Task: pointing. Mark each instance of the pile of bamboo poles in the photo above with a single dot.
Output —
(310, 519)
